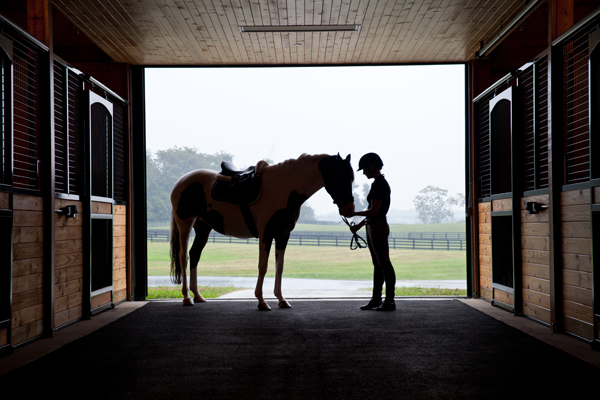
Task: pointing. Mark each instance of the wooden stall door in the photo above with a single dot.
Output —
(505, 249)
(100, 201)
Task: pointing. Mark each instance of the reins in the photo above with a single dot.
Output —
(356, 240)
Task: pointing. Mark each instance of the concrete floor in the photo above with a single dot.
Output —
(38, 349)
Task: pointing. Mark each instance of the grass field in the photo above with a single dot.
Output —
(224, 259)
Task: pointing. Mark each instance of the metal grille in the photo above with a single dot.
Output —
(26, 115)
(482, 124)
(541, 121)
(4, 125)
(60, 128)
(119, 152)
(576, 143)
(75, 145)
(528, 129)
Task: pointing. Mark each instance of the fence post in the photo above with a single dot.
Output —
(413, 244)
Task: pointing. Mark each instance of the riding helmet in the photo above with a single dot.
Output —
(370, 159)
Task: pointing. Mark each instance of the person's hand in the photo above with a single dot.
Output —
(347, 211)
(355, 228)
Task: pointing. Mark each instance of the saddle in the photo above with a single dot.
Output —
(241, 187)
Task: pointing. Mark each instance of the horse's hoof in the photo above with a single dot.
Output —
(284, 304)
(263, 307)
(188, 302)
(199, 299)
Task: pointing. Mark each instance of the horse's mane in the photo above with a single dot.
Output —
(294, 162)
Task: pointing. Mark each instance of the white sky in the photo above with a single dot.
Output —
(412, 116)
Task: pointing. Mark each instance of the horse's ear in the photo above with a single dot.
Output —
(348, 158)
(338, 156)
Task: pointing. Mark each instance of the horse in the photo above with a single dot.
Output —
(266, 204)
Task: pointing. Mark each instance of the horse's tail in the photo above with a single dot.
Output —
(175, 247)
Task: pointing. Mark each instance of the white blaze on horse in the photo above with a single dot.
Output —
(262, 201)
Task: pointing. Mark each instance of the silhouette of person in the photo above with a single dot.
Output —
(378, 231)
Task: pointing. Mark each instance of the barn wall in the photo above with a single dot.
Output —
(119, 254)
(576, 263)
(28, 268)
(535, 256)
(68, 265)
(4, 205)
(485, 250)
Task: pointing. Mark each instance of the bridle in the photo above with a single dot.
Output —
(357, 241)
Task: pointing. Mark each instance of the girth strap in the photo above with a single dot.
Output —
(249, 220)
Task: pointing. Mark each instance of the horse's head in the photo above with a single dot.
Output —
(338, 176)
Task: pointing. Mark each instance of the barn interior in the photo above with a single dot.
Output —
(73, 71)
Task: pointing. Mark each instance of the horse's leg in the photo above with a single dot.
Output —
(263, 259)
(202, 232)
(280, 245)
(185, 229)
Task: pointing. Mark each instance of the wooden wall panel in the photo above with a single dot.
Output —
(4, 201)
(28, 268)
(485, 250)
(3, 337)
(576, 269)
(502, 205)
(119, 254)
(68, 264)
(535, 267)
(505, 297)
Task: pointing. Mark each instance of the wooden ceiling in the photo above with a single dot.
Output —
(206, 32)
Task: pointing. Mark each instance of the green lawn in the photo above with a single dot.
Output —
(224, 259)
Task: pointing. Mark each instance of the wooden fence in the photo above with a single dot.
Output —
(416, 241)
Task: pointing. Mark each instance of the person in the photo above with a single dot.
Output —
(378, 231)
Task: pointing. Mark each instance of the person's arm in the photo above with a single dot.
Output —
(371, 212)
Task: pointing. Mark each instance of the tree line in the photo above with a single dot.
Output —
(165, 167)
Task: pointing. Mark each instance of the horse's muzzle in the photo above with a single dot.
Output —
(347, 208)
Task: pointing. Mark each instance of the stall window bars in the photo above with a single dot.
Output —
(575, 107)
(26, 113)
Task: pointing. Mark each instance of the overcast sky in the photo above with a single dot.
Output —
(412, 116)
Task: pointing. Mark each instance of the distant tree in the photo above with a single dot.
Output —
(306, 213)
(433, 205)
(360, 200)
(165, 167)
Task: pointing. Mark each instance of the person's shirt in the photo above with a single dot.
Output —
(380, 190)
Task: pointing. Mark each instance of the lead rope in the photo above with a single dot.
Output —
(356, 241)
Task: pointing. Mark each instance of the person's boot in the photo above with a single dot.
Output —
(373, 303)
(387, 306)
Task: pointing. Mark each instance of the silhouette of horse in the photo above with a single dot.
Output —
(262, 201)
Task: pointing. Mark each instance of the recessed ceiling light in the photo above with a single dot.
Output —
(297, 44)
(301, 28)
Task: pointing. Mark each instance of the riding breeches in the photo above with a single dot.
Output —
(377, 238)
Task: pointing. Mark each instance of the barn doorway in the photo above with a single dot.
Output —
(412, 116)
